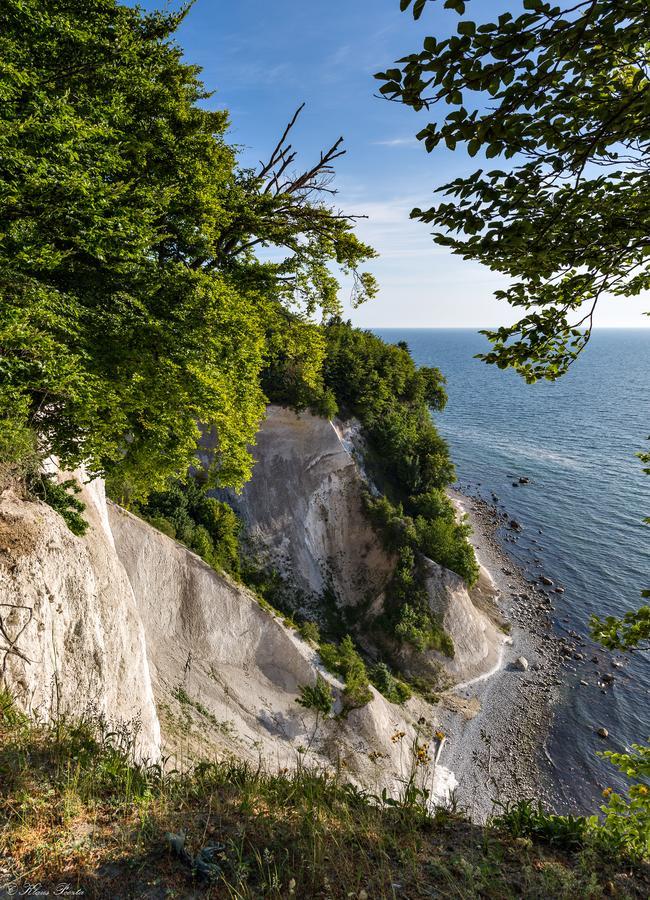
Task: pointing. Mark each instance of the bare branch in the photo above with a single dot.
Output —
(266, 169)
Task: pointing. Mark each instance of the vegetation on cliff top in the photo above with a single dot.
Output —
(76, 810)
(392, 397)
(133, 304)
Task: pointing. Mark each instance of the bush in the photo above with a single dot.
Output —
(527, 818)
(309, 631)
(345, 661)
(329, 655)
(419, 628)
(445, 542)
(626, 824)
(207, 526)
(319, 697)
(392, 688)
(434, 532)
(60, 496)
(407, 615)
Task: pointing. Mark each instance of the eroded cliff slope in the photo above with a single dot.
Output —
(71, 639)
(304, 515)
(129, 624)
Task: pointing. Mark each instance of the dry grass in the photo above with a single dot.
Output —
(74, 810)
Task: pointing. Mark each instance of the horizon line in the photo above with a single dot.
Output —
(491, 327)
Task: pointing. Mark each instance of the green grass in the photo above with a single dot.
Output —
(75, 808)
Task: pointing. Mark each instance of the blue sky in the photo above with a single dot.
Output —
(264, 58)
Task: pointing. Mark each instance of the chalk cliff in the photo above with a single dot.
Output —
(71, 638)
(128, 624)
(304, 515)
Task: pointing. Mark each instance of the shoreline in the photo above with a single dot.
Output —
(497, 724)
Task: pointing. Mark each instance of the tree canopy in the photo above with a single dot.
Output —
(560, 95)
(558, 98)
(133, 304)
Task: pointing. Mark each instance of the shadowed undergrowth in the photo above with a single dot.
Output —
(76, 810)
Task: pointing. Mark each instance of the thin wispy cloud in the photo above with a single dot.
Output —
(397, 142)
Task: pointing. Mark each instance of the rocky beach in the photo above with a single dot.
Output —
(497, 724)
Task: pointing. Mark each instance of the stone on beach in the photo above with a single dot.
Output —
(521, 663)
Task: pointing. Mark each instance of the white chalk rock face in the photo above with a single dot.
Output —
(127, 623)
(303, 509)
(72, 641)
(477, 642)
(227, 673)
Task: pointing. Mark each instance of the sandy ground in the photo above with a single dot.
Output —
(496, 726)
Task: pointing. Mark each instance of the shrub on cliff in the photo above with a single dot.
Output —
(387, 684)
(344, 660)
(205, 525)
(318, 697)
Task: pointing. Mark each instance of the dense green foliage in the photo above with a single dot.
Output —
(527, 819)
(561, 93)
(380, 384)
(432, 529)
(344, 660)
(407, 614)
(205, 525)
(626, 820)
(61, 497)
(132, 304)
(318, 697)
(624, 827)
(387, 684)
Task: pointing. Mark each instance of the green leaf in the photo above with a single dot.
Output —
(467, 28)
(418, 8)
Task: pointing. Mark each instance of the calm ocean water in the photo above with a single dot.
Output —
(576, 440)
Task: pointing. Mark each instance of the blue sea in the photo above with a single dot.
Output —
(576, 440)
